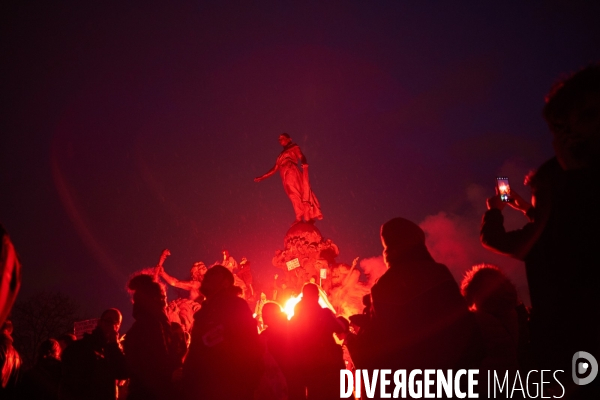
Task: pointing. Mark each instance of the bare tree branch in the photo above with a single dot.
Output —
(40, 317)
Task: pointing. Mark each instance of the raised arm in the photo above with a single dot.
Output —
(268, 174)
(515, 243)
(187, 285)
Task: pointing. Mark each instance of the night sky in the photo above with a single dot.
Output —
(128, 127)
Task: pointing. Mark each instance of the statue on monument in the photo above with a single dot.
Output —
(182, 310)
(192, 285)
(295, 181)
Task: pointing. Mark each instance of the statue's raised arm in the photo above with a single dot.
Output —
(192, 285)
(295, 181)
(267, 174)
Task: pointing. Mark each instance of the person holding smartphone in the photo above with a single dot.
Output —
(559, 243)
(506, 196)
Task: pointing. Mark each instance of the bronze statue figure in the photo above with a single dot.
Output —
(295, 181)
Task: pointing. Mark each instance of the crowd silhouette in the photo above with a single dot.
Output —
(415, 317)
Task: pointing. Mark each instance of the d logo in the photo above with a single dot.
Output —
(590, 364)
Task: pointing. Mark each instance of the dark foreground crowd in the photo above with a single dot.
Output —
(416, 316)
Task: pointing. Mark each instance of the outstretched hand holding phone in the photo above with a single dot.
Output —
(518, 203)
(505, 195)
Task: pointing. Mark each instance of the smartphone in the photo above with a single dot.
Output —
(503, 188)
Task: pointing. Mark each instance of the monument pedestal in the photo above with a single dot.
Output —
(306, 257)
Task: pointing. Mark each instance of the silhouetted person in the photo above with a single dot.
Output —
(317, 356)
(42, 381)
(148, 344)
(275, 339)
(276, 331)
(346, 336)
(224, 359)
(10, 362)
(559, 243)
(92, 365)
(419, 318)
(65, 340)
(359, 321)
(492, 298)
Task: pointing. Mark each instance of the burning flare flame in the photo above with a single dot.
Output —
(289, 306)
